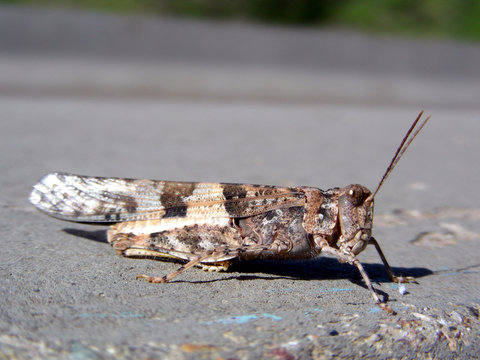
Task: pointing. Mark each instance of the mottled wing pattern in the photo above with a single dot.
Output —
(111, 200)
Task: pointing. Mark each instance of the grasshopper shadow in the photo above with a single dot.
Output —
(95, 235)
(324, 268)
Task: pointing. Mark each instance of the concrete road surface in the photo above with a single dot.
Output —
(66, 294)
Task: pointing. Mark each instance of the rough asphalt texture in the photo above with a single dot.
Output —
(112, 110)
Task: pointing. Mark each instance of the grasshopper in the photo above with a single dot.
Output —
(211, 224)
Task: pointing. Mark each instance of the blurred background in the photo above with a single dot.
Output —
(438, 18)
(370, 52)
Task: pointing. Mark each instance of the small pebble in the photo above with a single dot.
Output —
(402, 289)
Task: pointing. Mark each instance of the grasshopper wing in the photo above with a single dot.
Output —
(111, 200)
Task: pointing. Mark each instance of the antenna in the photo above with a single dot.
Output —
(407, 140)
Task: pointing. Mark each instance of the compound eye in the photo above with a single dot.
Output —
(355, 194)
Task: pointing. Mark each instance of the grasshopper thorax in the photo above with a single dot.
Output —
(355, 217)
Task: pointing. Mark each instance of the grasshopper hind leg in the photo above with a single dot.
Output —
(216, 266)
(167, 278)
(131, 245)
(204, 246)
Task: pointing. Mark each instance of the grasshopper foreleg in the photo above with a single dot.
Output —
(393, 277)
(351, 259)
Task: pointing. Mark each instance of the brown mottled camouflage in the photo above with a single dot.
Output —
(211, 224)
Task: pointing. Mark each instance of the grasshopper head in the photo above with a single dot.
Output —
(355, 212)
